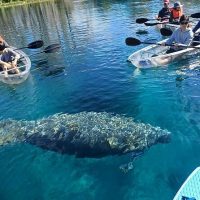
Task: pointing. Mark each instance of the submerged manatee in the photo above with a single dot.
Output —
(86, 134)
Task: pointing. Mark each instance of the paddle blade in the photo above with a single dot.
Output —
(35, 44)
(52, 48)
(151, 24)
(166, 31)
(195, 15)
(141, 20)
(132, 41)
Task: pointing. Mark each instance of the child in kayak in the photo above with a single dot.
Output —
(8, 59)
(181, 36)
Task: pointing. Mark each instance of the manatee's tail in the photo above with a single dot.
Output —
(11, 131)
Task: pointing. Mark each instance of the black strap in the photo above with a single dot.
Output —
(187, 198)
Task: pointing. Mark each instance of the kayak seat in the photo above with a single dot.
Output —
(154, 55)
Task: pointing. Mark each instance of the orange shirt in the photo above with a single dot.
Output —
(176, 14)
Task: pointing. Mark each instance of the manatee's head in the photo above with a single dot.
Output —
(142, 137)
(157, 135)
(164, 138)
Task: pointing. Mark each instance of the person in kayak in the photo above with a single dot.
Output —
(8, 59)
(181, 36)
(176, 13)
(196, 34)
(165, 13)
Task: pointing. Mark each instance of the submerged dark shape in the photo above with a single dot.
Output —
(86, 134)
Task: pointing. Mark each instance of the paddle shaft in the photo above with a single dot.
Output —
(143, 20)
(50, 49)
(33, 45)
(171, 45)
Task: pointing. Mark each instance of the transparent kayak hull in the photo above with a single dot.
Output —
(24, 67)
(169, 26)
(154, 55)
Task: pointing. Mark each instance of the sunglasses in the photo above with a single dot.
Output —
(184, 23)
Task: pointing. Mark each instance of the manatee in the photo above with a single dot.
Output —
(85, 134)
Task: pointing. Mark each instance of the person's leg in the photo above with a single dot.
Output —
(5, 69)
(15, 69)
(170, 51)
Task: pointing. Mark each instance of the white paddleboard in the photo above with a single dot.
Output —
(190, 190)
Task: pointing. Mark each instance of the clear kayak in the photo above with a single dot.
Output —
(190, 190)
(24, 67)
(155, 55)
(172, 27)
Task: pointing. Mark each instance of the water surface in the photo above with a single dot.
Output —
(90, 73)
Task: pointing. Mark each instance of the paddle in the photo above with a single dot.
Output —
(153, 24)
(134, 42)
(144, 20)
(33, 45)
(49, 49)
(166, 31)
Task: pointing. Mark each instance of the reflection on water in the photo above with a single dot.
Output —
(90, 73)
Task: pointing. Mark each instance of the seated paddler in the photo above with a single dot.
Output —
(8, 59)
(182, 36)
(165, 13)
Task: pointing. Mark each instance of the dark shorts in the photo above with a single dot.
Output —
(170, 51)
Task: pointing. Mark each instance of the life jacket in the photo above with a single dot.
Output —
(176, 14)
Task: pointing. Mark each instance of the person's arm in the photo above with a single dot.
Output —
(171, 16)
(189, 38)
(196, 27)
(15, 55)
(172, 38)
(160, 14)
(4, 63)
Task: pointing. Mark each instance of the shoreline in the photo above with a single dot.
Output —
(20, 3)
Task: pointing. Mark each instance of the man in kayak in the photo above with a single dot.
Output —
(165, 13)
(8, 59)
(176, 12)
(182, 36)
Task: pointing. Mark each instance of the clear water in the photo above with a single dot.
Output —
(91, 73)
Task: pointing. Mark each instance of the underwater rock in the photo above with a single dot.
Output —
(86, 134)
